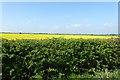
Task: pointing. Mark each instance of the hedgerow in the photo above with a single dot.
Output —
(57, 57)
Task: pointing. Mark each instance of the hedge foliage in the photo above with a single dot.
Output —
(57, 57)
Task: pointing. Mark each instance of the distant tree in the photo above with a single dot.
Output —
(92, 34)
(20, 33)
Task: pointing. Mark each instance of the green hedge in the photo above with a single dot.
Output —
(57, 57)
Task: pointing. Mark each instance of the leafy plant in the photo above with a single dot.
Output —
(57, 58)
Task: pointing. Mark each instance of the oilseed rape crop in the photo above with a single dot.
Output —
(48, 36)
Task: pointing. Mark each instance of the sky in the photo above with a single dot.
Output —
(60, 17)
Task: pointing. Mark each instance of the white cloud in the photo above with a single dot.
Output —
(71, 28)
(107, 24)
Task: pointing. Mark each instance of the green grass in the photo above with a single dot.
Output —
(115, 75)
(99, 74)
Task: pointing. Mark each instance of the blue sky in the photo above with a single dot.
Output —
(60, 17)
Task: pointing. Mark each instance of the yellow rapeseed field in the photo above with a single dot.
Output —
(46, 36)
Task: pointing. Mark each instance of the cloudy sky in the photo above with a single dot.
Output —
(60, 17)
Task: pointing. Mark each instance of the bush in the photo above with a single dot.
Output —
(57, 57)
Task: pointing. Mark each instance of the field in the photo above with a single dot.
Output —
(48, 36)
(59, 57)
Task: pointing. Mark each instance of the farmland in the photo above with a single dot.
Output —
(48, 56)
(48, 36)
(60, 40)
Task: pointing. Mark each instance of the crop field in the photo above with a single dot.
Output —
(48, 36)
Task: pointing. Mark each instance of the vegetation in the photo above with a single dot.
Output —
(60, 58)
(49, 36)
